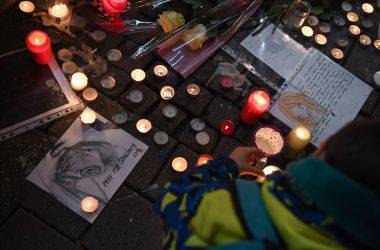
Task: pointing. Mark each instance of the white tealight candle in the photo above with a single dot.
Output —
(59, 11)
(270, 169)
(114, 55)
(202, 138)
(193, 90)
(69, 67)
(98, 35)
(197, 124)
(367, 8)
(364, 40)
(337, 54)
(320, 39)
(143, 126)
(352, 17)
(167, 93)
(160, 71)
(179, 164)
(108, 82)
(169, 111)
(354, 30)
(89, 204)
(376, 79)
(161, 138)
(138, 75)
(307, 32)
(88, 116)
(90, 94)
(135, 97)
(65, 55)
(79, 81)
(376, 43)
(26, 6)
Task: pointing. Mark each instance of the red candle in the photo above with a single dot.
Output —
(114, 6)
(226, 82)
(227, 127)
(38, 43)
(256, 105)
(203, 159)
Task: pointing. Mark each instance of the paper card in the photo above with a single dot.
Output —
(323, 96)
(88, 161)
(277, 50)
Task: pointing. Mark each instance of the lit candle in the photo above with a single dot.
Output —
(296, 141)
(193, 90)
(269, 140)
(179, 164)
(160, 71)
(143, 126)
(38, 43)
(227, 127)
(90, 94)
(226, 82)
(89, 204)
(270, 169)
(307, 32)
(352, 17)
(167, 93)
(364, 40)
(202, 138)
(59, 10)
(197, 124)
(161, 138)
(203, 159)
(138, 75)
(376, 43)
(26, 6)
(354, 30)
(367, 8)
(337, 54)
(88, 116)
(114, 55)
(324, 28)
(79, 81)
(108, 82)
(256, 105)
(320, 39)
(114, 6)
(135, 97)
(169, 111)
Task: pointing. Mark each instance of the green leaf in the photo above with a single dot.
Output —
(316, 10)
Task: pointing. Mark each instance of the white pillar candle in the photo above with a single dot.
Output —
(89, 204)
(88, 116)
(179, 164)
(143, 126)
(79, 81)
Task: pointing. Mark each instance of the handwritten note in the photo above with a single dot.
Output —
(277, 50)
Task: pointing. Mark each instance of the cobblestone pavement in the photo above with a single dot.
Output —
(32, 219)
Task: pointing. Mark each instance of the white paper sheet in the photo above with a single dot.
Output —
(277, 50)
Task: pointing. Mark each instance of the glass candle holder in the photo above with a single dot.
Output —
(296, 14)
(269, 139)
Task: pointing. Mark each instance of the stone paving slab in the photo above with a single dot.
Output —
(128, 222)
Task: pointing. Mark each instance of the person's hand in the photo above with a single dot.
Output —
(244, 158)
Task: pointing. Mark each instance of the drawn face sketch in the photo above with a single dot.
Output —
(301, 109)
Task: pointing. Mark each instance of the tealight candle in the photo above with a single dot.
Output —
(89, 204)
(143, 126)
(120, 117)
(339, 21)
(69, 67)
(108, 82)
(203, 159)
(160, 71)
(226, 82)
(352, 17)
(307, 32)
(135, 97)
(312, 21)
(90, 94)
(376, 43)
(88, 116)
(337, 54)
(376, 79)
(269, 140)
(193, 90)
(342, 42)
(161, 138)
(298, 138)
(346, 6)
(202, 138)
(38, 43)
(98, 35)
(79, 81)
(65, 55)
(138, 75)
(367, 8)
(320, 39)
(324, 28)
(270, 169)
(258, 102)
(169, 111)
(367, 23)
(167, 93)
(179, 164)
(114, 55)
(197, 124)
(227, 127)
(59, 10)
(114, 6)
(354, 30)
(26, 6)
(364, 40)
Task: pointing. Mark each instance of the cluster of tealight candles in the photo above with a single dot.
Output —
(319, 30)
